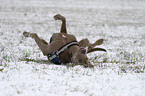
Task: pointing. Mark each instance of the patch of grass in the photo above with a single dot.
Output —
(35, 60)
(126, 61)
(134, 68)
(5, 58)
(1, 69)
(137, 69)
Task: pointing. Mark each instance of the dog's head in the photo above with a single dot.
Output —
(80, 58)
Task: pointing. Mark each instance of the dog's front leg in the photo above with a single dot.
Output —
(42, 44)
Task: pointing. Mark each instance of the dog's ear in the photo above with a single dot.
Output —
(84, 43)
(98, 42)
(96, 49)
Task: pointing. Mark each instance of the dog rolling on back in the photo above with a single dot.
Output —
(64, 47)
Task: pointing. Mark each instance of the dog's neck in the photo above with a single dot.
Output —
(74, 52)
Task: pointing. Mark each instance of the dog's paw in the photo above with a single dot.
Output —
(26, 34)
(59, 17)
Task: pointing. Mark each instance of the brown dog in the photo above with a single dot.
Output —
(64, 48)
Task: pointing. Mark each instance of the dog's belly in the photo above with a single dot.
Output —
(63, 37)
(57, 41)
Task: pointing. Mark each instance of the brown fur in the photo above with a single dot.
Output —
(75, 54)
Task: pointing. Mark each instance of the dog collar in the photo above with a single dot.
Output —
(54, 56)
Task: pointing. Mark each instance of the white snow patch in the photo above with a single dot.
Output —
(25, 71)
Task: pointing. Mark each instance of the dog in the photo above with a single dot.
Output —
(64, 48)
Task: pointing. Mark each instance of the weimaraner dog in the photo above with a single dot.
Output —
(64, 48)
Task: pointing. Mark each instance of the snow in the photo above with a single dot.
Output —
(25, 71)
(58, 80)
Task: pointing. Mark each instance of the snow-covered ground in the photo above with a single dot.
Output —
(24, 71)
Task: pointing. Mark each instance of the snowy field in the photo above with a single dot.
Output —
(24, 71)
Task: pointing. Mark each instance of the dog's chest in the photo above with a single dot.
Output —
(58, 40)
(65, 57)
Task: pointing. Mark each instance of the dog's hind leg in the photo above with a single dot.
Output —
(86, 43)
(63, 19)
